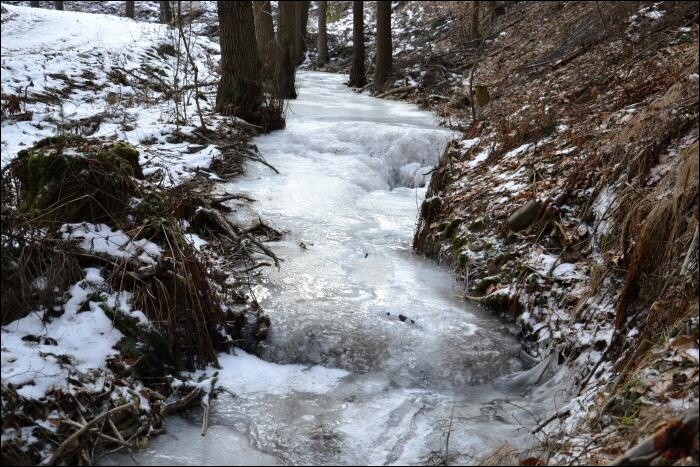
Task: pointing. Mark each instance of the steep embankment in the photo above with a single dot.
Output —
(571, 206)
(119, 268)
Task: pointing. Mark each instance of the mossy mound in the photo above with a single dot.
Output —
(72, 179)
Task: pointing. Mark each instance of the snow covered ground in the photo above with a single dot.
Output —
(107, 78)
(103, 76)
(75, 74)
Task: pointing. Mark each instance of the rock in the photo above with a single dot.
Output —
(476, 246)
(524, 216)
(478, 224)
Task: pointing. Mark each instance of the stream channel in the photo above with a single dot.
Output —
(373, 356)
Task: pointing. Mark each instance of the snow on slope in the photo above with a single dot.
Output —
(69, 69)
(101, 76)
(39, 356)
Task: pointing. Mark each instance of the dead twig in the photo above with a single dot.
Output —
(74, 437)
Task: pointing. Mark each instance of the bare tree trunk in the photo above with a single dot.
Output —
(286, 37)
(474, 23)
(239, 92)
(302, 20)
(34, 4)
(166, 14)
(265, 35)
(322, 35)
(58, 6)
(383, 67)
(357, 71)
(130, 10)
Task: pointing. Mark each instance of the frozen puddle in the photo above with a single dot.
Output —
(371, 351)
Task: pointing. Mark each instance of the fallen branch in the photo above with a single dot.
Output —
(74, 437)
(257, 158)
(206, 399)
(265, 249)
(215, 220)
(557, 415)
(217, 201)
(391, 92)
(259, 265)
(182, 403)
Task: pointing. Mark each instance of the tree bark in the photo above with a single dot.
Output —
(130, 10)
(265, 35)
(302, 20)
(322, 35)
(239, 92)
(166, 14)
(357, 71)
(286, 35)
(474, 23)
(58, 6)
(383, 66)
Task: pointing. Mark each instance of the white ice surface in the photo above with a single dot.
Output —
(351, 382)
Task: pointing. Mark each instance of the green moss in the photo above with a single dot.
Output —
(451, 227)
(156, 211)
(478, 224)
(60, 142)
(532, 282)
(458, 242)
(483, 283)
(627, 421)
(154, 203)
(126, 152)
(94, 184)
(496, 301)
(462, 259)
(41, 170)
(124, 157)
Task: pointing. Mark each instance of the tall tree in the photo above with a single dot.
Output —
(357, 70)
(383, 66)
(474, 22)
(130, 9)
(239, 92)
(58, 6)
(34, 4)
(166, 14)
(322, 58)
(302, 20)
(286, 38)
(265, 35)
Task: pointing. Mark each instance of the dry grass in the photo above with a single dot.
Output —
(42, 189)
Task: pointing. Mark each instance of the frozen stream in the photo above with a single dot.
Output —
(371, 351)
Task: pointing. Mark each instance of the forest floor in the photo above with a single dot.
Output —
(570, 204)
(120, 266)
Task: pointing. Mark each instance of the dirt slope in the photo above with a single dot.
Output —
(571, 206)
